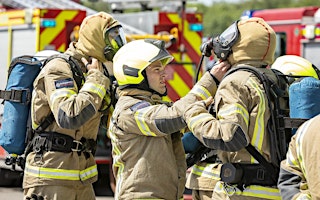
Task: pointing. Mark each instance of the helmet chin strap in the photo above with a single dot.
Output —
(144, 85)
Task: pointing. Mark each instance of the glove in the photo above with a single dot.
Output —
(35, 197)
(206, 48)
(190, 143)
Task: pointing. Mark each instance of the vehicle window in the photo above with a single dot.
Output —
(281, 44)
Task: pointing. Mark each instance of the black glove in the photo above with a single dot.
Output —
(206, 48)
(35, 197)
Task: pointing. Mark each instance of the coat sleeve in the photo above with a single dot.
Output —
(238, 101)
(292, 182)
(159, 120)
(73, 107)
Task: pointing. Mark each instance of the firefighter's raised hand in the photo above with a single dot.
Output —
(94, 64)
(208, 101)
(220, 69)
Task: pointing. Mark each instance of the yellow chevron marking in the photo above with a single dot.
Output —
(50, 34)
(190, 36)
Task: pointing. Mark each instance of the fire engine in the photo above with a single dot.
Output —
(297, 30)
(182, 32)
(27, 31)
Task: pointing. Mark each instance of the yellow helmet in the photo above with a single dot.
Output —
(296, 66)
(134, 57)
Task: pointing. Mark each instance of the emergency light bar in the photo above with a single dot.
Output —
(196, 27)
(48, 23)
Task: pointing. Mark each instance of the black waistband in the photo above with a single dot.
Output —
(53, 141)
(247, 174)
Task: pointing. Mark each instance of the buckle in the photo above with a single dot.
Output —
(17, 96)
(78, 146)
(261, 174)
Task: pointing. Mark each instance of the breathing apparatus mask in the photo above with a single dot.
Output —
(222, 44)
(114, 38)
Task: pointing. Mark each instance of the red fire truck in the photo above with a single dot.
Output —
(297, 29)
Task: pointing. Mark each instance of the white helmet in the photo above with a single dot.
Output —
(44, 54)
(133, 58)
(296, 66)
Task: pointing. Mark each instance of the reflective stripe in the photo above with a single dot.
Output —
(139, 116)
(88, 172)
(208, 171)
(61, 174)
(259, 131)
(59, 93)
(107, 99)
(233, 109)
(299, 146)
(251, 191)
(34, 125)
(303, 196)
(194, 121)
(200, 91)
(291, 160)
(94, 88)
(117, 162)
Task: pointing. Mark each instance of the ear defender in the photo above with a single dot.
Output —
(109, 52)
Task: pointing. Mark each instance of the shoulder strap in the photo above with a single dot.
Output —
(78, 77)
(75, 68)
(277, 135)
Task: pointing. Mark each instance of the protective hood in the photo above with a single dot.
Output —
(92, 35)
(256, 43)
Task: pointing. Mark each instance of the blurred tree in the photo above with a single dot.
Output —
(218, 16)
(97, 5)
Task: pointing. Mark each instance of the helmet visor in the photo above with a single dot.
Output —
(229, 36)
(115, 38)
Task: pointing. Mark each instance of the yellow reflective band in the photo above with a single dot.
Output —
(201, 91)
(251, 191)
(291, 161)
(61, 93)
(34, 125)
(258, 133)
(94, 88)
(208, 171)
(139, 116)
(114, 140)
(61, 174)
(118, 163)
(299, 141)
(234, 109)
(88, 172)
(303, 196)
(194, 121)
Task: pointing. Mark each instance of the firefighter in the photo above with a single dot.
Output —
(149, 160)
(61, 163)
(297, 172)
(240, 117)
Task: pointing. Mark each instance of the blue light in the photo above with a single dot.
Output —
(247, 14)
(196, 27)
(48, 23)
